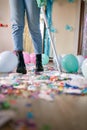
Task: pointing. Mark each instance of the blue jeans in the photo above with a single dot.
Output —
(17, 10)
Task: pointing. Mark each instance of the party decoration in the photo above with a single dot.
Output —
(33, 58)
(45, 59)
(8, 61)
(5, 105)
(62, 69)
(28, 105)
(80, 59)
(70, 63)
(54, 30)
(30, 115)
(68, 28)
(71, 1)
(3, 25)
(41, 3)
(85, 56)
(31, 88)
(26, 57)
(46, 127)
(84, 68)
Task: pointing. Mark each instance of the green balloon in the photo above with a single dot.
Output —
(45, 59)
(70, 63)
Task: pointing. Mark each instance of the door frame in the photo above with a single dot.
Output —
(81, 25)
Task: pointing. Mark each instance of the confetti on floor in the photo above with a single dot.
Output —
(44, 86)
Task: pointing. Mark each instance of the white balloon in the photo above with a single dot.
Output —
(84, 68)
(80, 59)
(8, 61)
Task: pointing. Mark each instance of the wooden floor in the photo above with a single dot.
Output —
(66, 112)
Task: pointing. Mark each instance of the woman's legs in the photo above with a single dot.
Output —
(17, 9)
(33, 17)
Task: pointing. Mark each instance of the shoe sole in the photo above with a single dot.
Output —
(21, 70)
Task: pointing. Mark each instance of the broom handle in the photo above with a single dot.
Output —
(50, 36)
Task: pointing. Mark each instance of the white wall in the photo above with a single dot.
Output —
(5, 32)
(66, 13)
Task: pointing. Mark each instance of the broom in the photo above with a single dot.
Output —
(42, 4)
